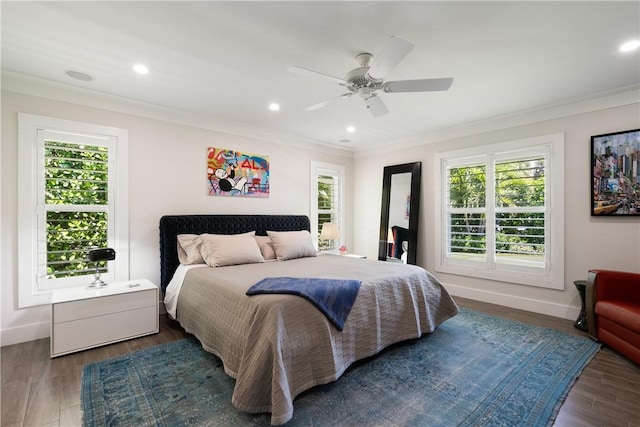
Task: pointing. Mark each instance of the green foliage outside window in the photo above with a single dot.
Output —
(467, 190)
(76, 194)
(519, 209)
(326, 205)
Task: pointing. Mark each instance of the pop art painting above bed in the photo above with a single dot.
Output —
(233, 173)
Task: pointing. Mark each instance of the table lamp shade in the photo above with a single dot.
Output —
(330, 231)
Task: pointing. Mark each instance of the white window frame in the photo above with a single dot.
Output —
(33, 288)
(552, 274)
(317, 169)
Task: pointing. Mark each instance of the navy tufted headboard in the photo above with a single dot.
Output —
(172, 225)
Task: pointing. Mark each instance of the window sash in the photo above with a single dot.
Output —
(474, 233)
(64, 197)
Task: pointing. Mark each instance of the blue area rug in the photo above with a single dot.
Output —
(474, 370)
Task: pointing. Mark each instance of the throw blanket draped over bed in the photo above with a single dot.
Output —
(333, 297)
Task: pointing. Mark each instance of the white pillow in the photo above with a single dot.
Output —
(292, 244)
(219, 250)
(266, 247)
(189, 249)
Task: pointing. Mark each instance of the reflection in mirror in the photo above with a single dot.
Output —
(399, 215)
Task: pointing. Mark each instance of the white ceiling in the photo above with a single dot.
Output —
(228, 60)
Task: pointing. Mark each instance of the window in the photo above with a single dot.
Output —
(327, 201)
(501, 213)
(73, 197)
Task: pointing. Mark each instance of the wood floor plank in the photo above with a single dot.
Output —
(15, 395)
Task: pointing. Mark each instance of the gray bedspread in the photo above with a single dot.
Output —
(277, 346)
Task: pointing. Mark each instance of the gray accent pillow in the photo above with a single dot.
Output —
(219, 250)
(292, 244)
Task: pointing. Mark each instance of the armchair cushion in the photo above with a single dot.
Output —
(626, 314)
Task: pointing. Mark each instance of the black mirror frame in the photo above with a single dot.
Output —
(416, 176)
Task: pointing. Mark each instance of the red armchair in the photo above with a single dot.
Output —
(613, 310)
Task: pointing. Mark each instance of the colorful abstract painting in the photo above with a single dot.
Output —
(232, 173)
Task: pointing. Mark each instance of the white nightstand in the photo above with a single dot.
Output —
(83, 318)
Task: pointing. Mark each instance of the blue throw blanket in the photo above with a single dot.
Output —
(333, 297)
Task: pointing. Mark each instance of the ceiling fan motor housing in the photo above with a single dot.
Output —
(357, 78)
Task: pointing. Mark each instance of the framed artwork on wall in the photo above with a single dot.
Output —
(615, 174)
(233, 173)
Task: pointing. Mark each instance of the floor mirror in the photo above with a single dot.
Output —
(399, 216)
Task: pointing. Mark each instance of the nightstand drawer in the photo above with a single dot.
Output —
(91, 307)
(90, 332)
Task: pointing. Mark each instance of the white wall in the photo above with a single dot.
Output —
(590, 242)
(167, 176)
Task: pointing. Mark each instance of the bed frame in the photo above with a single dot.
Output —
(172, 225)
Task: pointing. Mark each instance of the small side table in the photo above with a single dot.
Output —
(83, 318)
(581, 321)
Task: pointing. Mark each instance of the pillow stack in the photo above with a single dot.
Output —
(218, 250)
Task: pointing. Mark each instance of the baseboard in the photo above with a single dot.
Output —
(38, 331)
(25, 333)
(520, 303)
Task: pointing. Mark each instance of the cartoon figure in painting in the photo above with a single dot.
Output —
(227, 178)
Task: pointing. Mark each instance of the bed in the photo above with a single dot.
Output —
(277, 346)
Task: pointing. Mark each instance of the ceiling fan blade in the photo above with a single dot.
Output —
(424, 85)
(327, 101)
(376, 106)
(305, 72)
(390, 56)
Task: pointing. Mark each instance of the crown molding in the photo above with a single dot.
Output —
(601, 101)
(29, 85)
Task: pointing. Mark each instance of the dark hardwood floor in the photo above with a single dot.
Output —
(39, 391)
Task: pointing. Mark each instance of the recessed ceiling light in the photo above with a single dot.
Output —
(351, 129)
(79, 76)
(274, 106)
(141, 69)
(630, 46)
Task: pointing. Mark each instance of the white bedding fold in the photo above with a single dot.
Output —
(172, 291)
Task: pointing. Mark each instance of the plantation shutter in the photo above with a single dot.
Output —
(511, 230)
(75, 204)
(466, 212)
(520, 210)
(328, 204)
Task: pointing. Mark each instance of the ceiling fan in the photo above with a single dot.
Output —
(368, 79)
